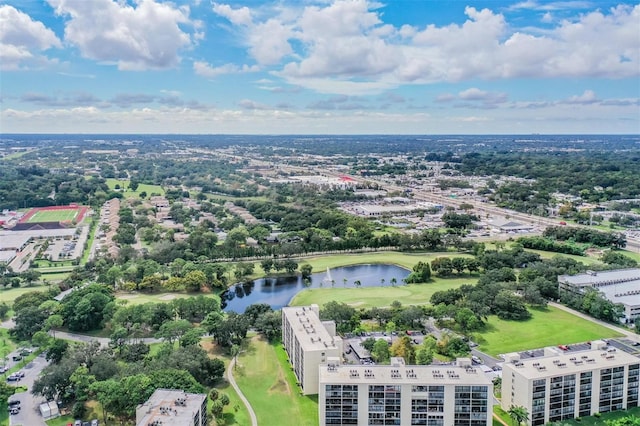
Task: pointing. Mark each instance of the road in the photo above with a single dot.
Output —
(29, 414)
(484, 208)
(104, 341)
(234, 385)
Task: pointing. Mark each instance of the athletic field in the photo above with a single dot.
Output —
(54, 214)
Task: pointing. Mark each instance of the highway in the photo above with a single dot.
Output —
(479, 207)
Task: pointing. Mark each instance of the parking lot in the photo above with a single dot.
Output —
(29, 413)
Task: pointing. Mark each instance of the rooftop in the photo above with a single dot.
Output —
(619, 286)
(398, 372)
(169, 407)
(571, 362)
(310, 331)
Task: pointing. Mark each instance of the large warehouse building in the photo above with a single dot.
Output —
(619, 286)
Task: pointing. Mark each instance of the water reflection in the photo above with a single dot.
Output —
(277, 292)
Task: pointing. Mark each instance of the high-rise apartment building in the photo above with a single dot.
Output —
(563, 385)
(399, 394)
(309, 342)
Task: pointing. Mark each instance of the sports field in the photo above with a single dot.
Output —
(66, 215)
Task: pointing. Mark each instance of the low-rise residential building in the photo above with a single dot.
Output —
(309, 342)
(564, 385)
(399, 394)
(173, 407)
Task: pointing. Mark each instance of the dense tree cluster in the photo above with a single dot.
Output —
(586, 235)
(80, 372)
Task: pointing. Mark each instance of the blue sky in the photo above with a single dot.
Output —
(316, 67)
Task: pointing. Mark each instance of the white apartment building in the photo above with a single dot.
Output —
(309, 342)
(564, 385)
(173, 407)
(619, 286)
(399, 394)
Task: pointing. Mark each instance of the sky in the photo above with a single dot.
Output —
(320, 67)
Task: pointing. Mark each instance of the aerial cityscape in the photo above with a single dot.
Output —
(327, 212)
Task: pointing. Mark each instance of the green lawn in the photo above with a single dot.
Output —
(124, 183)
(368, 297)
(582, 259)
(406, 260)
(600, 421)
(10, 294)
(234, 414)
(140, 298)
(266, 379)
(547, 327)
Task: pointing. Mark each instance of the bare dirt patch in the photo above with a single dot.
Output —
(281, 385)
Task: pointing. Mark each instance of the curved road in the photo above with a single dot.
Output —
(232, 380)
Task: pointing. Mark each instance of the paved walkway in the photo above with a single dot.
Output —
(232, 380)
(620, 330)
(495, 416)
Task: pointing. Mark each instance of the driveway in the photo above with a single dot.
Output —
(29, 414)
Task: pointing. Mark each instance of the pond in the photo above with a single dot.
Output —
(277, 292)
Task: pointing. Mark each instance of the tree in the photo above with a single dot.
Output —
(269, 324)
(424, 354)
(57, 351)
(380, 351)
(404, 348)
(53, 322)
(442, 266)
(518, 414)
(624, 421)
(173, 330)
(341, 313)
(306, 269)
(195, 280)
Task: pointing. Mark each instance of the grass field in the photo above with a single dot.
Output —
(602, 420)
(61, 215)
(140, 298)
(547, 327)
(406, 260)
(143, 187)
(412, 294)
(234, 414)
(267, 381)
(10, 294)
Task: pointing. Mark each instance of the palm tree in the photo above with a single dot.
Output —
(382, 280)
(344, 282)
(357, 283)
(518, 414)
(394, 281)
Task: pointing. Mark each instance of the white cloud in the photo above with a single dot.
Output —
(145, 36)
(588, 97)
(206, 70)
(241, 16)
(345, 47)
(22, 38)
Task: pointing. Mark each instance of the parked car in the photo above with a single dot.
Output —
(476, 360)
(14, 403)
(94, 422)
(14, 411)
(17, 357)
(13, 377)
